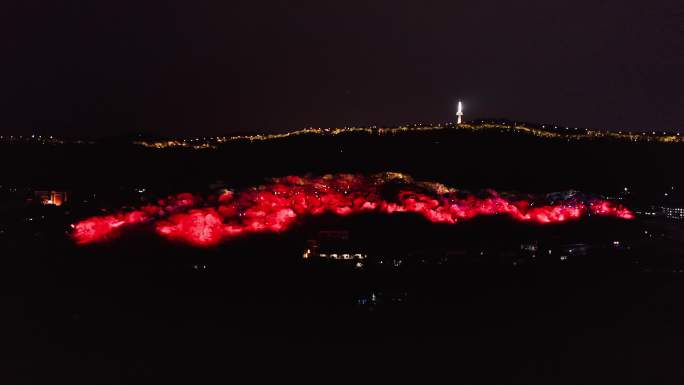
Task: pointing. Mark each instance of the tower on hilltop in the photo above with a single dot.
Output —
(459, 113)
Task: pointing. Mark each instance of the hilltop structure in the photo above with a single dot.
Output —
(459, 113)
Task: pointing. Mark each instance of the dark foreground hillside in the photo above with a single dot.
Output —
(532, 326)
(142, 310)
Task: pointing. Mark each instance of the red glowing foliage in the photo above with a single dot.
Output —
(201, 227)
(102, 228)
(276, 206)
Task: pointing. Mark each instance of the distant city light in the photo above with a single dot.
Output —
(519, 128)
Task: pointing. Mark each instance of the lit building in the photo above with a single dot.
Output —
(530, 246)
(334, 245)
(334, 251)
(673, 212)
(51, 197)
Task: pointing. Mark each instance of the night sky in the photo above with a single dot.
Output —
(172, 67)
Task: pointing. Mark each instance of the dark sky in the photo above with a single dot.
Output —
(196, 67)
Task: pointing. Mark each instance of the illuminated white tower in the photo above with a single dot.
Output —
(459, 113)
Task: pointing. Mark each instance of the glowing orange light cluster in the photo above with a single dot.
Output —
(276, 206)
